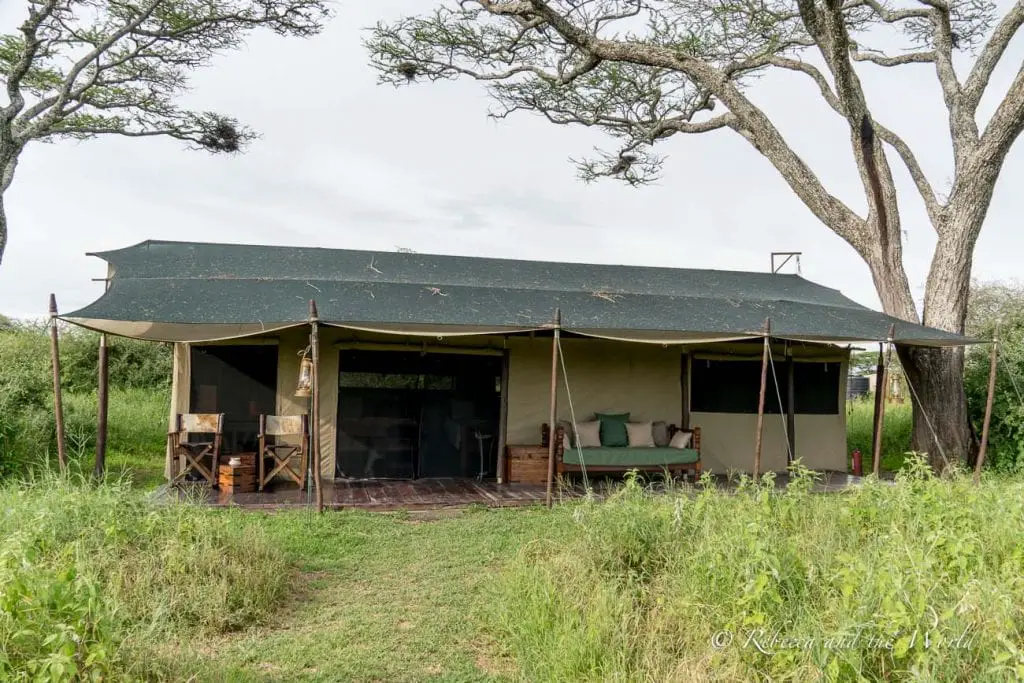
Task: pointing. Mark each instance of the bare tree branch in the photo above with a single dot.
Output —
(1006, 123)
(21, 67)
(990, 55)
(827, 93)
(750, 121)
(942, 40)
(891, 16)
(727, 120)
(936, 211)
(827, 24)
(898, 60)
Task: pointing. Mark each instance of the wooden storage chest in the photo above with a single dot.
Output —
(527, 464)
(239, 479)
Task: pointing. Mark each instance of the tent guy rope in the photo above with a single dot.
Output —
(572, 418)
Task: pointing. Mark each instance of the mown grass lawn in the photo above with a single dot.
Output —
(379, 597)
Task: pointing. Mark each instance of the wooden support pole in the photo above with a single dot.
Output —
(502, 417)
(988, 406)
(790, 403)
(553, 414)
(881, 390)
(58, 403)
(102, 401)
(314, 418)
(758, 438)
(685, 372)
(879, 383)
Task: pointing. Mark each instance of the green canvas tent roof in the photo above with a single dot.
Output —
(180, 291)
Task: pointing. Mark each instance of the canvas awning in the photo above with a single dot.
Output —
(173, 291)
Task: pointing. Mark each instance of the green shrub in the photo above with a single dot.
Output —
(132, 363)
(992, 303)
(864, 585)
(92, 578)
(25, 397)
(1006, 432)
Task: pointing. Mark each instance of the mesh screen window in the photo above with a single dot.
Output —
(732, 386)
(410, 415)
(239, 381)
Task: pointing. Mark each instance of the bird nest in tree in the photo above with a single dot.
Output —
(408, 70)
(223, 137)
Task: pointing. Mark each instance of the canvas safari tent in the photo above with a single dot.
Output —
(420, 355)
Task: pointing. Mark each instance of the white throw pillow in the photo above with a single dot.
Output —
(588, 434)
(681, 439)
(641, 434)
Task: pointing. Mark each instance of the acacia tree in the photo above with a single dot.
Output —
(647, 70)
(83, 68)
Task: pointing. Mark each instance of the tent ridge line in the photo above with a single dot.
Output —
(670, 337)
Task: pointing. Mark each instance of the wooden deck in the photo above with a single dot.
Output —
(438, 494)
(383, 495)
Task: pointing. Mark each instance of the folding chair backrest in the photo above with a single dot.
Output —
(201, 423)
(283, 425)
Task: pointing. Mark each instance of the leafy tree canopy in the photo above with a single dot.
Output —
(82, 68)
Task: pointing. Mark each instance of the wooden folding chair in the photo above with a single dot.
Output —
(185, 446)
(272, 428)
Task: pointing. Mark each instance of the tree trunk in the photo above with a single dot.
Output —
(941, 426)
(936, 376)
(8, 161)
(3, 229)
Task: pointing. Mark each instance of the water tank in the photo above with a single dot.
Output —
(857, 386)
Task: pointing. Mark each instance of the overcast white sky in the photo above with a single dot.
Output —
(346, 163)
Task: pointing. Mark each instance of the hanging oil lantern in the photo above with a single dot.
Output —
(305, 385)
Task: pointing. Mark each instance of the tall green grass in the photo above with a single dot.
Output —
(136, 432)
(140, 381)
(92, 578)
(896, 432)
(922, 580)
(136, 436)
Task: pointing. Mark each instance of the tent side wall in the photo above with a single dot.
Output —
(645, 380)
(727, 440)
(603, 376)
(180, 380)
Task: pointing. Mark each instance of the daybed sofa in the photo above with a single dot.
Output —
(569, 457)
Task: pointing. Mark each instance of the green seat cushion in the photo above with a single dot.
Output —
(631, 457)
(613, 430)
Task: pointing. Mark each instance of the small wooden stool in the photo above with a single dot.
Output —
(239, 478)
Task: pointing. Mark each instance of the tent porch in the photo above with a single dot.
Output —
(441, 494)
(401, 407)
